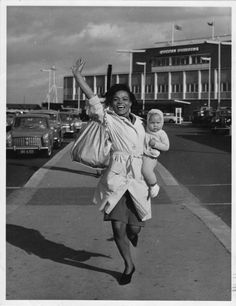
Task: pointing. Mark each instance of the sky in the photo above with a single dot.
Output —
(40, 36)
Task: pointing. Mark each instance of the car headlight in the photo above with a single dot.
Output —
(9, 140)
(46, 138)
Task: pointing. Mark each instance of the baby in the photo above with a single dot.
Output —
(156, 140)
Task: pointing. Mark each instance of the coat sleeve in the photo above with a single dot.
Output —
(161, 144)
(164, 144)
(96, 109)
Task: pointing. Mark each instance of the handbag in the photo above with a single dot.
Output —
(92, 146)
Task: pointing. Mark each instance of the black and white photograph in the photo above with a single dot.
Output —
(117, 152)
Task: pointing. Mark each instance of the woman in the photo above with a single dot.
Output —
(121, 192)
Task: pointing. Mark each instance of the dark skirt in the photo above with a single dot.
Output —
(125, 211)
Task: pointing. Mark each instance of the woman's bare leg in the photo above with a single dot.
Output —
(132, 233)
(122, 242)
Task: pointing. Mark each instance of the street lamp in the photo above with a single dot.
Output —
(208, 59)
(49, 84)
(130, 62)
(143, 83)
(50, 70)
(219, 43)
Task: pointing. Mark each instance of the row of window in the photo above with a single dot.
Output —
(190, 87)
(149, 88)
(177, 60)
(164, 88)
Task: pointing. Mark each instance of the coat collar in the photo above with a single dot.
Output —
(133, 117)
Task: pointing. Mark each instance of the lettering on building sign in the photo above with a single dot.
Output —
(170, 51)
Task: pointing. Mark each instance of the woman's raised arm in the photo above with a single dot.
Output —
(95, 106)
(76, 70)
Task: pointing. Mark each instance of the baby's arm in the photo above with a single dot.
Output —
(163, 144)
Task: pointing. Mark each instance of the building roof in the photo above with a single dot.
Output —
(200, 40)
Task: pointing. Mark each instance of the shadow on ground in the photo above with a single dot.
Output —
(33, 242)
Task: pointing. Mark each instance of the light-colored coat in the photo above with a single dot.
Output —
(124, 171)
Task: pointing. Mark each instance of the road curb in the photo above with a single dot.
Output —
(221, 230)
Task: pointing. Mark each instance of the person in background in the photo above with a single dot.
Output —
(122, 192)
(156, 140)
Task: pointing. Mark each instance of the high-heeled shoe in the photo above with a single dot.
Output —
(126, 278)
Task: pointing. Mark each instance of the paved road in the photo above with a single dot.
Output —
(201, 162)
(20, 168)
(58, 247)
(198, 160)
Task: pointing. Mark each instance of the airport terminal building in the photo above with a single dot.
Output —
(185, 74)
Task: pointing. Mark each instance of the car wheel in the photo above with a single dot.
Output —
(48, 152)
(171, 121)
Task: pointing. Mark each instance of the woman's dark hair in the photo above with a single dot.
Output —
(117, 87)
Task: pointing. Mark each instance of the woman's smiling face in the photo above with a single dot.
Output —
(121, 103)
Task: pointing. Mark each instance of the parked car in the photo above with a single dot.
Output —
(55, 124)
(221, 122)
(76, 114)
(10, 115)
(203, 116)
(30, 133)
(77, 122)
(171, 118)
(67, 122)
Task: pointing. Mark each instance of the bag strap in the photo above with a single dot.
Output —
(105, 118)
(106, 123)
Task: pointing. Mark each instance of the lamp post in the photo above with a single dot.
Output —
(130, 62)
(49, 84)
(143, 83)
(208, 59)
(50, 70)
(219, 43)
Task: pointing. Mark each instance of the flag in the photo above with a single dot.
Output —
(210, 23)
(177, 27)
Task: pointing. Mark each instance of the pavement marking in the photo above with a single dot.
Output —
(219, 228)
(218, 203)
(18, 198)
(39, 174)
(207, 185)
(24, 194)
(11, 187)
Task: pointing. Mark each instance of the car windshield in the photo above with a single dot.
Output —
(66, 117)
(76, 117)
(31, 123)
(11, 116)
(53, 117)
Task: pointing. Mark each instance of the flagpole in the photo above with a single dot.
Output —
(213, 29)
(172, 34)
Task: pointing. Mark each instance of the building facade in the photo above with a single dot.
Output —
(182, 75)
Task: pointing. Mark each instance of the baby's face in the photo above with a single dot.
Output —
(155, 123)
